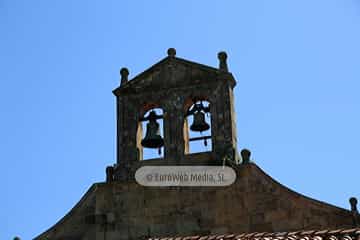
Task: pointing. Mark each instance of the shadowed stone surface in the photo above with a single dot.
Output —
(254, 203)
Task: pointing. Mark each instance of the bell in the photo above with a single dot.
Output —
(199, 124)
(152, 137)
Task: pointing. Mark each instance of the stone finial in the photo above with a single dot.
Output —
(353, 203)
(109, 174)
(124, 73)
(222, 56)
(354, 211)
(17, 238)
(245, 155)
(171, 52)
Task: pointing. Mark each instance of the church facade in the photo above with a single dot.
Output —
(163, 109)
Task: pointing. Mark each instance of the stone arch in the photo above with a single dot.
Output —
(146, 153)
(191, 138)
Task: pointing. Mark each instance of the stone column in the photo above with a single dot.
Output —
(173, 126)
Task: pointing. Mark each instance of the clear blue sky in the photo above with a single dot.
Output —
(297, 98)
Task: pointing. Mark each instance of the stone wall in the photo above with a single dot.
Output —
(254, 203)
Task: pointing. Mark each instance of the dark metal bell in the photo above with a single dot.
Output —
(199, 124)
(152, 137)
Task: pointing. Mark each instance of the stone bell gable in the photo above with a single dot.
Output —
(255, 204)
(174, 84)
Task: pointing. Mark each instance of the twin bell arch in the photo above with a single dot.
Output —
(174, 85)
